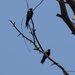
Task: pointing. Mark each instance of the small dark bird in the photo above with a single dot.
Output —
(29, 16)
(44, 57)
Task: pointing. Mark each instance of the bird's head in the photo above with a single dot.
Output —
(49, 50)
(30, 9)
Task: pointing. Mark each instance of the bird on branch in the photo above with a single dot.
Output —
(29, 16)
(44, 57)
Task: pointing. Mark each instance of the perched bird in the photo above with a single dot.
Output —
(44, 57)
(29, 16)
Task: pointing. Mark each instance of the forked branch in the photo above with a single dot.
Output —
(65, 17)
(37, 47)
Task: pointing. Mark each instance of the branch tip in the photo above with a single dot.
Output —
(37, 48)
(58, 15)
(18, 34)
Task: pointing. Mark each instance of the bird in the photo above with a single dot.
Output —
(28, 17)
(44, 57)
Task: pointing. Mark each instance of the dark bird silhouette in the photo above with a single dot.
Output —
(44, 57)
(29, 16)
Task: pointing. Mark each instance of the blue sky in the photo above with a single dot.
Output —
(52, 33)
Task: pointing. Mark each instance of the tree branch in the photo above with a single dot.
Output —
(40, 49)
(20, 32)
(34, 35)
(65, 17)
(38, 5)
(55, 63)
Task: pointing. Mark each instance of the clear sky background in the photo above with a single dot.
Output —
(52, 32)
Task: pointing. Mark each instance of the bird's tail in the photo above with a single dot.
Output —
(42, 61)
(26, 25)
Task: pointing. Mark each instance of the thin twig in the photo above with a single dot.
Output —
(34, 35)
(33, 30)
(20, 32)
(27, 4)
(70, 71)
(38, 5)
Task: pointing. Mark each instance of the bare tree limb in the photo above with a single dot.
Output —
(39, 49)
(36, 47)
(20, 32)
(57, 64)
(65, 17)
(34, 35)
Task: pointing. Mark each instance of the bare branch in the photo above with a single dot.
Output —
(35, 37)
(38, 5)
(54, 62)
(20, 32)
(13, 23)
(65, 17)
(27, 4)
(40, 49)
